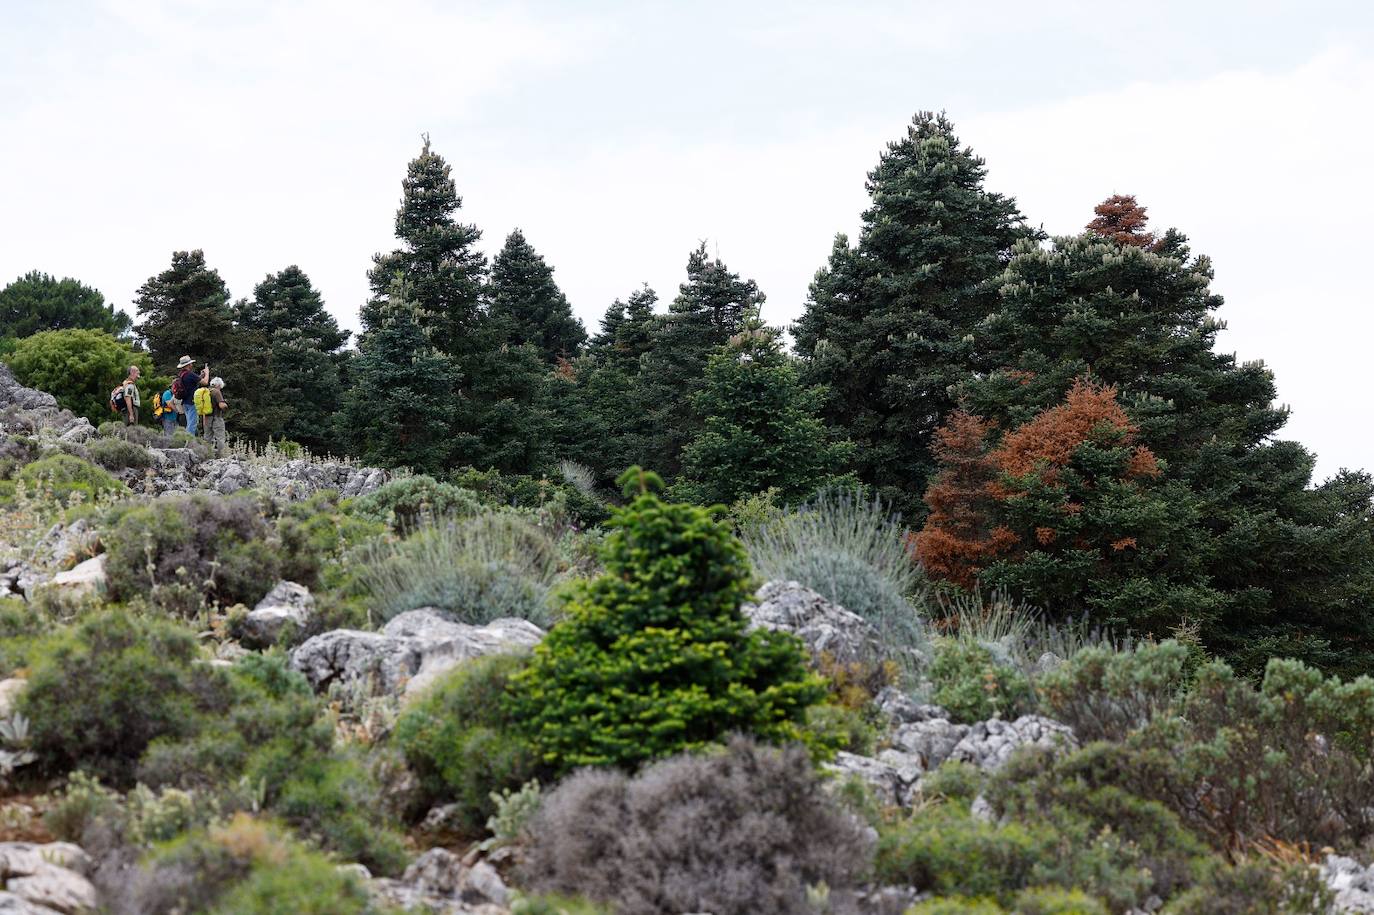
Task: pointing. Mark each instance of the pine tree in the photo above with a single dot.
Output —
(1254, 542)
(391, 416)
(760, 429)
(886, 328)
(526, 304)
(37, 302)
(712, 306)
(1122, 220)
(437, 260)
(303, 352)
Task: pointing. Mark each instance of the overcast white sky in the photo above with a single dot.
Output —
(618, 134)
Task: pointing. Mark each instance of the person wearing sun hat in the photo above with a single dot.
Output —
(188, 379)
(214, 423)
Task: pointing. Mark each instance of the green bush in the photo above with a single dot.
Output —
(1105, 695)
(182, 550)
(1256, 888)
(955, 781)
(561, 499)
(654, 657)
(406, 502)
(1289, 760)
(478, 569)
(266, 729)
(315, 533)
(244, 867)
(101, 691)
(944, 850)
(80, 368)
(462, 743)
(972, 686)
(850, 550)
(66, 475)
(1037, 901)
(956, 906)
(117, 454)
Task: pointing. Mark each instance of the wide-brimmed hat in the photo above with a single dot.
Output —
(185, 361)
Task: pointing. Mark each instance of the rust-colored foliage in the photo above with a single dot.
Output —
(957, 539)
(962, 533)
(1045, 444)
(1122, 220)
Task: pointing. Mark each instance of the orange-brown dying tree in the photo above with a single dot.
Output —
(1122, 220)
(1061, 510)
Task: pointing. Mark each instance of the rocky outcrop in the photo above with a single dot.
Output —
(44, 879)
(291, 481)
(286, 603)
(825, 627)
(440, 882)
(410, 652)
(1352, 883)
(24, 411)
(64, 545)
(918, 747)
(87, 579)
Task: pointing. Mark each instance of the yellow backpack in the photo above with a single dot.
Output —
(202, 401)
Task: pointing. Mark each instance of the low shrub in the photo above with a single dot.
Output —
(316, 532)
(972, 686)
(405, 503)
(117, 453)
(850, 550)
(147, 436)
(266, 730)
(560, 500)
(654, 656)
(1255, 887)
(244, 867)
(99, 819)
(101, 691)
(193, 548)
(942, 849)
(1105, 695)
(65, 476)
(478, 569)
(1037, 901)
(1290, 760)
(462, 743)
(734, 832)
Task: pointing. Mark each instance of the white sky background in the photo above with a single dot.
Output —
(618, 134)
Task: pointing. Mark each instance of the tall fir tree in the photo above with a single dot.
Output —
(627, 329)
(760, 430)
(185, 310)
(391, 416)
(712, 306)
(438, 260)
(304, 346)
(886, 328)
(527, 306)
(1258, 542)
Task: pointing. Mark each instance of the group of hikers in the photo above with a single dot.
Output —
(194, 394)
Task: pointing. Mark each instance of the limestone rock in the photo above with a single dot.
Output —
(49, 878)
(351, 655)
(65, 545)
(887, 783)
(287, 602)
(902, 709)
(989, 744)
(1352, 884)
(444, 644)
(10, 904)
(87, 579)
(825, 627)
(9, 694)
(438, 881)
(931, 741)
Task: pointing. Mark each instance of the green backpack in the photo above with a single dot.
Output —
(202, 401)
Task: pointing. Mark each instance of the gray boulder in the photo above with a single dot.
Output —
(1352, 883)
(824, 626)
(66, 544)
(440, 882)
(929, 742)
(87, 579)
(26, 411)
(410, 652)
(989, 744)
(47, 878)
(902, 709)
(287, 602)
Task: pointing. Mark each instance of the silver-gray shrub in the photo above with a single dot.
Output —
(479, 569)
(851, 549)
(741, 831)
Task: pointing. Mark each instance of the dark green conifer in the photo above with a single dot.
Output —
(886, 328)
(37, 302)
(527, 306)
(760, 429)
